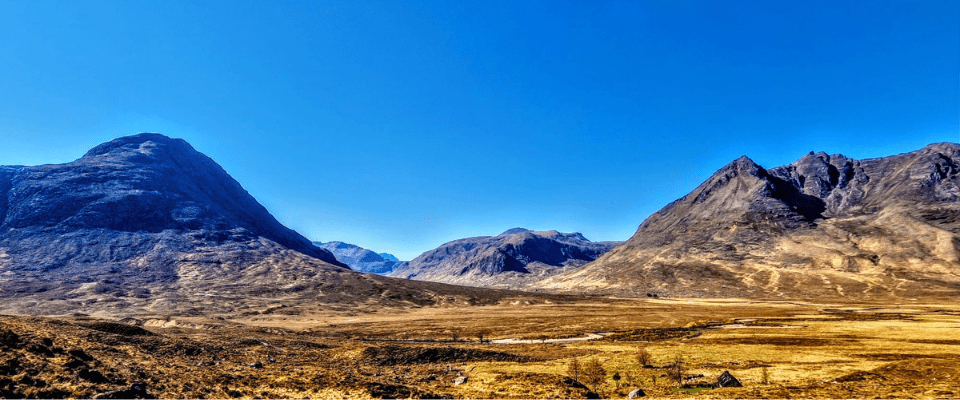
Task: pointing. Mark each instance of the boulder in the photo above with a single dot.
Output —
(728, 380)
(636, 393)
(459, 381)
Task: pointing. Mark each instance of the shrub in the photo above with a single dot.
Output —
(594, 374)
(643, 357)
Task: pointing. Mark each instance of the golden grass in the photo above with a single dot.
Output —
(838, 351)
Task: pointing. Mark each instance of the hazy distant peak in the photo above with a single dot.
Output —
(389, 257)
(359, 258)
(334, 244)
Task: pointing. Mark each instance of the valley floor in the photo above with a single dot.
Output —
(776, 349)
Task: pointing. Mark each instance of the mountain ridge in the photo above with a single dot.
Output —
(824, 225)
(512, 259)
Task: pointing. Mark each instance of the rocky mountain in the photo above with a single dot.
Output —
(360, 259)
(823, 226)
(513, 259)
(146, 224)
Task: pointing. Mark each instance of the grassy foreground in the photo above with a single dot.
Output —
(776, 349)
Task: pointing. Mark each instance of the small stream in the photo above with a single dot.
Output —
(591, 336)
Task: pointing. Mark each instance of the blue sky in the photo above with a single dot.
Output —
(401, 125)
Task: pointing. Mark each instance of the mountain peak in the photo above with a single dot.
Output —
(514, 258)
(143, 185)
(359, 258)
(943, 147)
(142, 143)
(782, 231)
(742, 164)
(514, 231)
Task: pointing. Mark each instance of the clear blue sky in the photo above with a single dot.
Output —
(401, 125)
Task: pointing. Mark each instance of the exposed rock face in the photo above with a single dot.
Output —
(146, 224)
(512, 259)
(826, 225)
(360, 259)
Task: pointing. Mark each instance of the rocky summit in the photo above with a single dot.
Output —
(146, 224)
(360, 259)
(513, 259)
(825, 225)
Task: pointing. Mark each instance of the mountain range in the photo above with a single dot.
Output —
(824, 226)
(147, 224)
(512, 259)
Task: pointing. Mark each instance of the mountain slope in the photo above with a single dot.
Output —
(360, 259)
(512, 259)
(146, 224)
(825, 225)
(146, 183)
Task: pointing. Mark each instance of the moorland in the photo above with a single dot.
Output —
(777, 349)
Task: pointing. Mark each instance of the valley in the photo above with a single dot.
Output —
(806, 350)
(143, 269)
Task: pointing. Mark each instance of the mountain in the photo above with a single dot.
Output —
(146, 224)
(823, 226)
(359, 258)
(388, 257)
(513, 259)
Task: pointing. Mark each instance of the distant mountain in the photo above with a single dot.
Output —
(823, 226)
(146, 224)
(513, 259)
(360, 259)
(388, 256)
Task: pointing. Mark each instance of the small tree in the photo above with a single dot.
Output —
(574, 369)
(643, 357)
(594, 374)
(480, 336)
(616, 379)
(677, 370)
(765, 375)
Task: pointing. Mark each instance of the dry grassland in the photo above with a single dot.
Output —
(807, 350)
